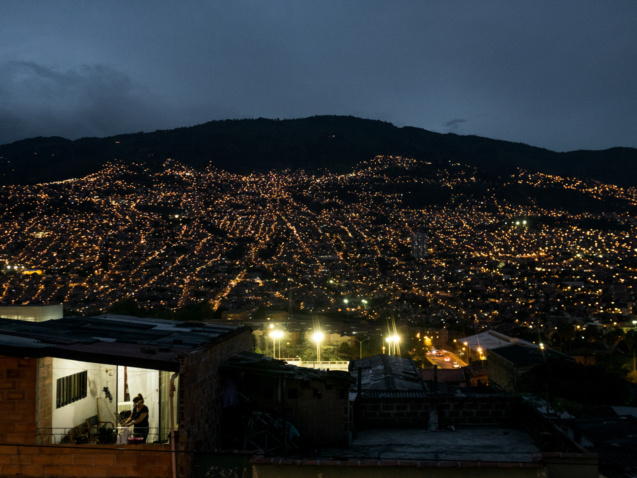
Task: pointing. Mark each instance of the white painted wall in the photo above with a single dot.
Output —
(75, 413)
(140, 380)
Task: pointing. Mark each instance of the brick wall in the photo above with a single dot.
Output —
(44, 399)
(141, 461)
(17, 400)
(456, 411)
(501, 372)
(200, 393)
(323, 421)
(320, 411)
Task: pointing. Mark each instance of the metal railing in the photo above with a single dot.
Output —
(80, 435)
(322, 364)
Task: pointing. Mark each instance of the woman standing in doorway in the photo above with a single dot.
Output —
(139, 418)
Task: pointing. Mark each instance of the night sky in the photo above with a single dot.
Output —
(556, 74)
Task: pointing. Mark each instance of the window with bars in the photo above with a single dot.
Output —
(71, 389)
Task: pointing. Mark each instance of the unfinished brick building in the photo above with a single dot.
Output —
(315, 402)
(64, 383)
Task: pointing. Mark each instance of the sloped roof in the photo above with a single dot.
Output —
(492, 339)
(523, 356)
(109, 339)
(385, 372)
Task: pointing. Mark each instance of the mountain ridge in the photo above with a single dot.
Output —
(337, 143)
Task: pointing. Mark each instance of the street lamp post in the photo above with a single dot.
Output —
(360, 342)
(276, 334)
(318, 337)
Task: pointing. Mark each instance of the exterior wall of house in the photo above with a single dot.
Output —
(200, 405)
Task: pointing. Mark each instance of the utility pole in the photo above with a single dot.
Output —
(360, 342)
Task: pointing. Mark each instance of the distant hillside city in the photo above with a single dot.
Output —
(286, 312)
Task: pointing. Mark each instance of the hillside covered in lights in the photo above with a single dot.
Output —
(511, 249)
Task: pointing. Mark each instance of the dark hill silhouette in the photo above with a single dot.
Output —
(334, 142)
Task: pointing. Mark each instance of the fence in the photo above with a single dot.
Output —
(82, 435)
(322, 364)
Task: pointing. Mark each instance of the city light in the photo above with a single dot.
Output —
(318, 338)
(393, 341)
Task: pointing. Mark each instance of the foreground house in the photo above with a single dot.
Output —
(66, 384)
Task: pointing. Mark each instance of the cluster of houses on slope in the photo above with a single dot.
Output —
(215, 408)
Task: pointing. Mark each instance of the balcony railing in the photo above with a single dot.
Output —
(323, 364)
(81, 435)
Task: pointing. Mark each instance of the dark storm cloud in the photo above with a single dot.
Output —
(561, 75)
(92, 100)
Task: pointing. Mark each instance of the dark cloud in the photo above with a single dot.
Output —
(92, 100)
(455, 122)
(561, 75)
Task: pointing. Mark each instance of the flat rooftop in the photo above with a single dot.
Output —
(461, 448)
(462, 444)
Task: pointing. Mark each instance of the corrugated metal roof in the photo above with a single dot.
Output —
(491, 340)
(625, 411)
(523, 356)
(384, 372)
(112, 339)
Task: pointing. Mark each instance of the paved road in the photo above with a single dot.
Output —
(442, 363)
(454, 357)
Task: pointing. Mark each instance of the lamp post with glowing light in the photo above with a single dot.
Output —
(318, 337)
(393, 342)
(276, 334)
